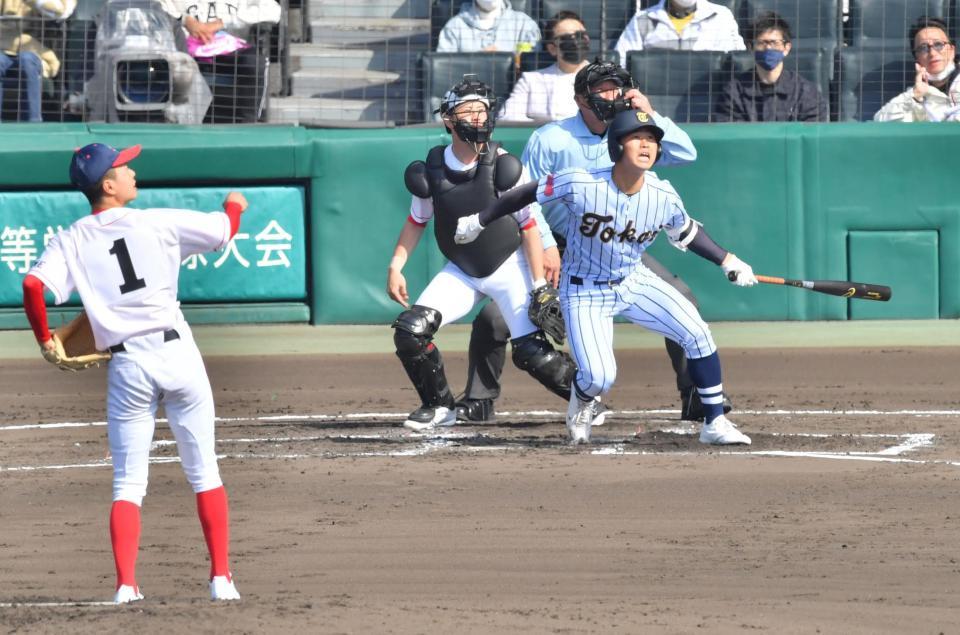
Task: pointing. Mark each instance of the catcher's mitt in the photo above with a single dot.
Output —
(544, 311)
(74, 347)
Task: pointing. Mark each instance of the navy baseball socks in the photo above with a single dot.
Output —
(717, 429)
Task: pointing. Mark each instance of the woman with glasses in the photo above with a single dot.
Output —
(935, 94)
(547, 94)
(769, 92)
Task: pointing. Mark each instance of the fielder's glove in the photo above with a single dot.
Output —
(74, 347)
(738, 272)
(468, 228)
(544, 311)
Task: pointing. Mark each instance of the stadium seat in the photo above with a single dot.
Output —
(869, 78)
(541, 59)
(680, 84)
(813, 22)
(443, 70)
(443, 10)
(815, 65)
(886, 23)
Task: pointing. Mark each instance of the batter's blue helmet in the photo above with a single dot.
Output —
(630, 121)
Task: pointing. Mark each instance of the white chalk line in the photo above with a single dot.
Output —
(519, 413)
(15, 605)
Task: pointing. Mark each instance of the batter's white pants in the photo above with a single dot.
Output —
(643, 298)
(149, 372)
(453, 293)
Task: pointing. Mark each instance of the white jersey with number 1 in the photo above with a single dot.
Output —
(125, 264)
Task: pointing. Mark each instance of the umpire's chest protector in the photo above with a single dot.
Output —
(457, 194)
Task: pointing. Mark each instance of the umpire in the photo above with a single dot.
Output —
(602, 89)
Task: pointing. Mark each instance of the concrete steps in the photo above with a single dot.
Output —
(370, 8)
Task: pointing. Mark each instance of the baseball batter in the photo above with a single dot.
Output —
(456, 180)
(602, 89)
(614, 214)
(125, 264)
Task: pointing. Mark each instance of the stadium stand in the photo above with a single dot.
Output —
(815, 65)
(867, 79)
(884, 23)
(813, 22)
(443, 10)
(443, 70)
(680, 84)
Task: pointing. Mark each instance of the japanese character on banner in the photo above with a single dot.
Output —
(231, 248)
(50, 232)
(274, 242)
(195, 261)
(18, 247)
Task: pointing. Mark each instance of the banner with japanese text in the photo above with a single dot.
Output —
(266, 260)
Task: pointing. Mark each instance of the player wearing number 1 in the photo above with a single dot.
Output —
(125, 265)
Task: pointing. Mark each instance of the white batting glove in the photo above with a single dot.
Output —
(738, 272)
(468, 228)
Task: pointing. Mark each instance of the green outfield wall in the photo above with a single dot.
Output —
(864, 201)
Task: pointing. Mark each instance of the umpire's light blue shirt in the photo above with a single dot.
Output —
(568, 143)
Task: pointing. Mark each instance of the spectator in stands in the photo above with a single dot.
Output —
(235, 68)
(769, 92)
(547, 94)
(935, 94)
(689, 25)
(26, 60)
(489, 25)
(22, 73)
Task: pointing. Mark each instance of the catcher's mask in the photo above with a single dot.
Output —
(470, 89)
(599, 71)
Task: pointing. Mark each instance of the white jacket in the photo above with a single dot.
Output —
(237, 15)
(937, 106)
(713, 28)
(543, 95)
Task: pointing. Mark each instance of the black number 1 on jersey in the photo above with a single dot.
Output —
(130, 280)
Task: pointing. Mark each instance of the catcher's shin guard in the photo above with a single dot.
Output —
(413, 337)
(554, 369)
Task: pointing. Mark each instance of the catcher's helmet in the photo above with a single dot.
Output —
(470, 89)
(596, 72)
(627, 122)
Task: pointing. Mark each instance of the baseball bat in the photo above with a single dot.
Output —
(842, 288)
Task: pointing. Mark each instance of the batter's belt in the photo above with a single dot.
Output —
(577, 280)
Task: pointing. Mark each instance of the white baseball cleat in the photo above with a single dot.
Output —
(222, 588)
(602, 411)
(580, 416)
(429, 417)
(722, 431)
(126, 594)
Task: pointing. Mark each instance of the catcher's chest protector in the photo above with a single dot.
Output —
(457, 194)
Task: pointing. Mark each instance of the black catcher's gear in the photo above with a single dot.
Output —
(413, 336)
(470, 89)
(552, 368)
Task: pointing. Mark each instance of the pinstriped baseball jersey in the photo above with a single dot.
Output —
(608, 230)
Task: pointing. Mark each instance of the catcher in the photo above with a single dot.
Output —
(125, 264)
(454, 181)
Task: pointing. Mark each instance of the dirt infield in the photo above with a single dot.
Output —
(842, 517)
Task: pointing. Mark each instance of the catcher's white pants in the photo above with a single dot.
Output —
(453, 293)
(148, 372)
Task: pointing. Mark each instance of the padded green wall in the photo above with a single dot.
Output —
(879, 202)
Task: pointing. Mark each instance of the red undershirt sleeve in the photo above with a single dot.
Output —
(36, 308)
(233, 212)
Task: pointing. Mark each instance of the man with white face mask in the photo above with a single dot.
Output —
(689, 25)
(489, 25)
(935, 94)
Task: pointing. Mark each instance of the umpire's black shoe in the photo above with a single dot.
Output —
(475, 410)
(691, 409)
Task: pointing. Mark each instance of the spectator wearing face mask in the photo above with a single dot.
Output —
(489, 25)
(769, 92)
(935, 94)
(688, 25)
(547, 94)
